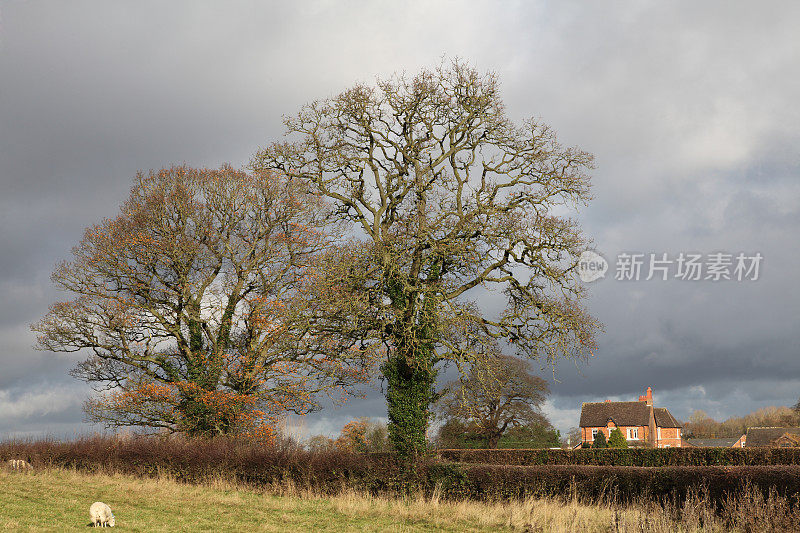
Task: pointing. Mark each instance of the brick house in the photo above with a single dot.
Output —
(773, 437)
(641, 423)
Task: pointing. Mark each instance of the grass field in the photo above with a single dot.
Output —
(58, 500)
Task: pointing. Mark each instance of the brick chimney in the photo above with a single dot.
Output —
(647, 398)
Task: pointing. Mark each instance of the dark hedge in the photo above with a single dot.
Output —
(198, 460)
(630, 457)
(379, 473)
(617, 483)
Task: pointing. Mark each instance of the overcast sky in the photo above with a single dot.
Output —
(691, 111)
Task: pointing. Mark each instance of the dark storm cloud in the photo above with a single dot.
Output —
(689, 109)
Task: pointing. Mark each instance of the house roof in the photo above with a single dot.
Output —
(788, 439)
(664, 418)
(596, 414)
(765, 436)
(713, 443)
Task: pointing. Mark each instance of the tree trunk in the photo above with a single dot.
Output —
(409, 393)
(492, 440)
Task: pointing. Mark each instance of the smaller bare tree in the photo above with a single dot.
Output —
(573, 438)
(499, 392)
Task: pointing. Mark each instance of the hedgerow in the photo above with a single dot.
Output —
(195, 461)
(643, 457)
(618, 483)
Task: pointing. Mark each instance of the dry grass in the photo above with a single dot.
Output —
(748, 513)
(59, 499)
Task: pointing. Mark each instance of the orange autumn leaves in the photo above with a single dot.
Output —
(226, 408)
(196, 305)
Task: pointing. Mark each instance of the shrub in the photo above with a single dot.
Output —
(600, 440)
(617, 440)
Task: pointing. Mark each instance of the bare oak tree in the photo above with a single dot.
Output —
(191, 305)
(446, 196)
(499, 393)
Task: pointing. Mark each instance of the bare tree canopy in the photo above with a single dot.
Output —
(192, 300)
(701, 425)
(447, 195)
(499, 393)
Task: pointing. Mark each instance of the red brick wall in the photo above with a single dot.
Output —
(669, 437)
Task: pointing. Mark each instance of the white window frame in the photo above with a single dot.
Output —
(659, 433)
(633, 433)
(594, 433)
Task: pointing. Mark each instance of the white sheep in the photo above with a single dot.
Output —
(101, 515)
(19, 465)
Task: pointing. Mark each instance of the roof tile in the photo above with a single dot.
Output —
(596, 414)
(764, 436)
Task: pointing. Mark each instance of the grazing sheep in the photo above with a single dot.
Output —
(19, 465)
(101, 515)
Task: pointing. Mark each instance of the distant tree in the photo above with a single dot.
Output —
(377, 437)
(190, 304)
(797, 406)
(447, 195)
(600, 440)
(700, 425)
(572, 438)
(455, 433)
(499, 392)
(617, 439)
(780, 416)
(363, 435)
(531, 436)
(320, 443)
(353, 436)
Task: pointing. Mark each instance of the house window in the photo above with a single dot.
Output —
(633, 433)
(659, 433)
(594, 433)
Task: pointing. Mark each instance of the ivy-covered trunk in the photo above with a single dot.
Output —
(410, 392)
(492, 440)
(410, 371)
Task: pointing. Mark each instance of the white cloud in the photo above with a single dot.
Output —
(43, 401)
(562, 419)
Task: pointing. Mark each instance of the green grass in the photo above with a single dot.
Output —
(59, 500)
